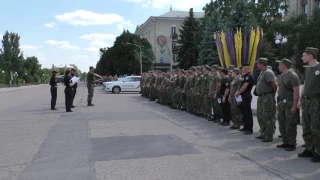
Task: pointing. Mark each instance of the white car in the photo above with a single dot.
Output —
(128, 84)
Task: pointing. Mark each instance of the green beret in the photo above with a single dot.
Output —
(263, 61)
(198, 67)
(214, 66)
(219, 68)
(311, 50)
(182, 70)
(236, 70)
(286, 62)
(231, 66)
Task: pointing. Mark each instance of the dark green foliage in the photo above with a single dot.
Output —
(123, 58)
(188, 50)
(208, 50)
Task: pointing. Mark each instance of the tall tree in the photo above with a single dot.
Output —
(268, 11)
(188, 50)
(241, 15)
(208, 50)
(11, 52)
(123, 58)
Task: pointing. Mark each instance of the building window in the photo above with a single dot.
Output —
(318, 3)
(304, 4)
(174, 58)
(173, 29)
(173, 45)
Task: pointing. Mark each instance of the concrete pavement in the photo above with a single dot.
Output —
(127, 137)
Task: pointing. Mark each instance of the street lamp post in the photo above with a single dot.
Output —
(140, 56)
(280, 40)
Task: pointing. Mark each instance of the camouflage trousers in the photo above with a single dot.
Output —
(265, 115)
(175, 97)
(311, 123)
(206, 106)
(235, 112)
(188, 100)
(183, 100)
(216, 107)
(287, 123)
(199, 102)
(153, 92)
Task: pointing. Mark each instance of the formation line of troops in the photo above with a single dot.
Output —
(224, 95)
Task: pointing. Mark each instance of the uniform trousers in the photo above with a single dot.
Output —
(68, 98)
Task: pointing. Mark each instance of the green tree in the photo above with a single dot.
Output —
(32, 67)
(268, 11)
(188, 50)
(123, 58)
(12, 58)
(208, 50)
(241, 15)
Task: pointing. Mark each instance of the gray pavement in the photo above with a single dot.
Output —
(127, 137)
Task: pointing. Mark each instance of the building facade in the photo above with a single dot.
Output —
(163, 32)
(64, 67)
(303, 7)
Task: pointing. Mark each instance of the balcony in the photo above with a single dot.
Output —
(174, 36)
(175, 50)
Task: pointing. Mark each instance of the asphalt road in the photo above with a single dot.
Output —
(127, 137)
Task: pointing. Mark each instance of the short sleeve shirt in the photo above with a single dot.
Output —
(90, 77)
(225, 84)
(311, 83)
(215, 78)
(264, 82)
(235, 86)
(286, 83)
(247, 78)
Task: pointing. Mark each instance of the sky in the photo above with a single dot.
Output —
(72, 31)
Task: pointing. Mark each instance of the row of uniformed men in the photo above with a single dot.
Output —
(203, 89)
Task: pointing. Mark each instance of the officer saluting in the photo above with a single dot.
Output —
(287, 105)
(310, 101)
(53, 90)
(245, 93)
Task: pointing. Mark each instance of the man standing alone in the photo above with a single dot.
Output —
(90, 84)
(288, 96)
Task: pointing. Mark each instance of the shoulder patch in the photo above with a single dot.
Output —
(317, 72)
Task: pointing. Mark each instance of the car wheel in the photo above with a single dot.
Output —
(116, 90)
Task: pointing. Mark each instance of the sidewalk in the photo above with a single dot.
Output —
(9, 89)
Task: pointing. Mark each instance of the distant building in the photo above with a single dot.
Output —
(162, 32)
(64, 67)
(306, 7)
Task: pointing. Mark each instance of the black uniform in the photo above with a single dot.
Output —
(74, 91)
(226, 107)
(68, 93)
(53, 90)
(246, 102)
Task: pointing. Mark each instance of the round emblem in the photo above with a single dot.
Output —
(247, 78)
(317, 72)
(227, 84)
(161, 40)
(284, 101)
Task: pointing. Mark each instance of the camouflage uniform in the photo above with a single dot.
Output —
(215, 78)
(188, 91)
(206, 107)
(192, 95)
(311, 109)
(235, 109)
(182, 93)
(266, 103)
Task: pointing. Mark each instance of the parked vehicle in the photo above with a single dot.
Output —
(128, 84)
